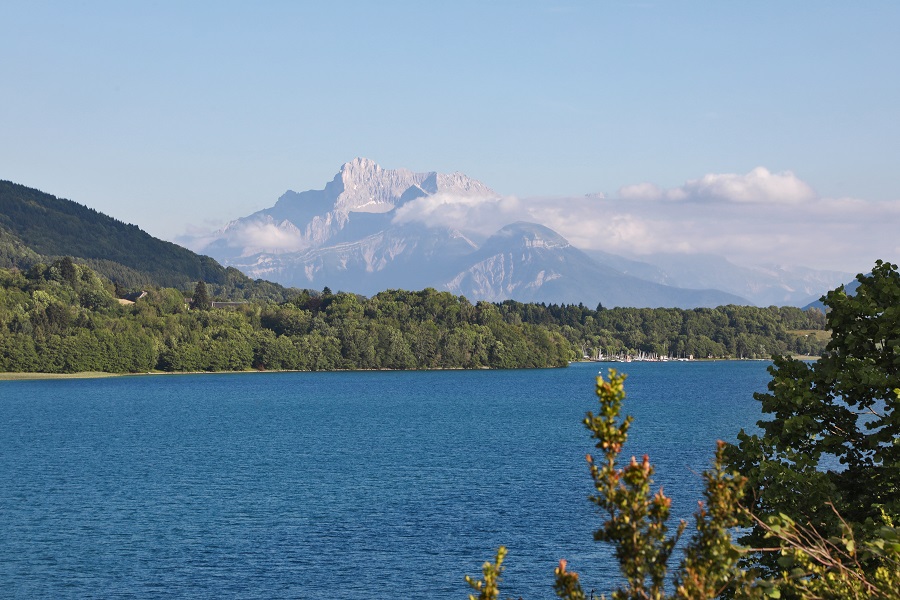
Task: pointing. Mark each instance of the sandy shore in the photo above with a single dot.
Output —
(84, 375)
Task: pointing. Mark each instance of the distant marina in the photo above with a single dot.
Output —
(627, 357)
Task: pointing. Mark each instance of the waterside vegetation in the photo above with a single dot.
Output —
(64, 317)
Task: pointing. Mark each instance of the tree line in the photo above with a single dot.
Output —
(724, 332)
(65, 317)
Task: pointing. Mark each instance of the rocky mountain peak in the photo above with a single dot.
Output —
(460, 184)
(360, 168)
(367, 187)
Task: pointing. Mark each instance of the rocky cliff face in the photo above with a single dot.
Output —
(516, 261)
(307, 220)
(408, 256)
(366, 187)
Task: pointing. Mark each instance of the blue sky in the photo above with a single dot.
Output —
(179, 115)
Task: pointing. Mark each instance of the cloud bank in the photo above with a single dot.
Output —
(484, 215)
(247, 237)
(753, 218)
(265, 237)
(759, 186)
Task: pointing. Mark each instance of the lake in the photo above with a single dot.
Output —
(354, 485)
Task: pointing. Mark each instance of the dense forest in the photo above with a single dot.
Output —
(65, 317)
(724, 332)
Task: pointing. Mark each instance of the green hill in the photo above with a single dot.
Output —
(52, 226)
(36, 227)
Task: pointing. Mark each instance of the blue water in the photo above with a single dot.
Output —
(368, 485)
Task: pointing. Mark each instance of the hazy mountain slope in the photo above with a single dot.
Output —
(764, 286)
(409, 256)
(850, 288)
(633, 267)
(770, 285)
(532, 263)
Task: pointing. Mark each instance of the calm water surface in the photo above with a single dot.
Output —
(368, 485)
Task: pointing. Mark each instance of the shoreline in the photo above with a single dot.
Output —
(103, 375)
(19, 376)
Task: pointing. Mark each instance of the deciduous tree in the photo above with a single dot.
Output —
(831, 442)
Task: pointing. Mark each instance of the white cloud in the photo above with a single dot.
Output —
(198, 237)
(642, 191)
(250, 237)
(759, 217)
(484, 215)
(759, 186)
(837, 234)
(265, 237)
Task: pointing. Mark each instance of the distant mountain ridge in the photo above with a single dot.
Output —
(531, 262)
(765, 285)
(305, 220)
(850, 288)
(345, 236)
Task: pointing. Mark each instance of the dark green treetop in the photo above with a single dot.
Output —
(831, 444)
(201, 301)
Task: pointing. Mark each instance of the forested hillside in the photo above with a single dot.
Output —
(52, 226)
(39, 228)
(64, 317)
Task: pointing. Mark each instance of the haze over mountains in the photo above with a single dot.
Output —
(355, 235)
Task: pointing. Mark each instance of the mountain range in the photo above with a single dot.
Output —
(348, 236)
